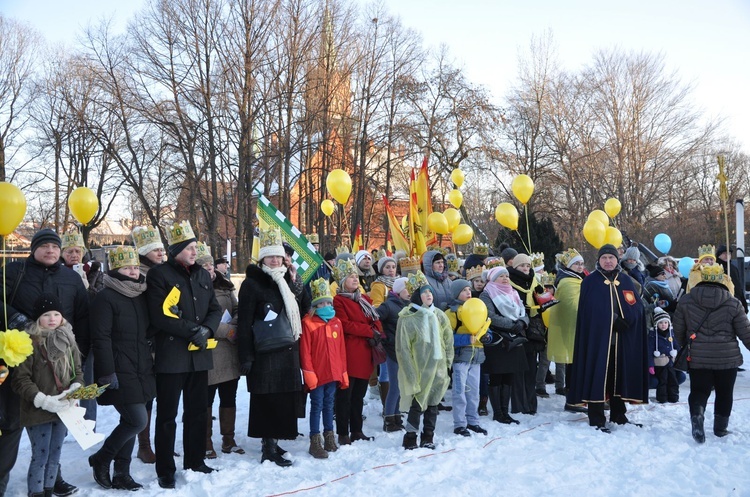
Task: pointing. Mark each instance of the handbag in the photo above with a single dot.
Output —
(378, 350)
(682, 359)
(272, 334)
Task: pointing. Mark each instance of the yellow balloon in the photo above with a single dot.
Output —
(507, 215)
(473, 314)
(327, 207)
(12, 207)
(462, 234)
(613, 236)
(438, 223)
(83, 204)
(339, 185)
(457, 177)
(523, 188)
(456, 198)
(453, 217)
(600, 216)
(612, 207)
(594, 232)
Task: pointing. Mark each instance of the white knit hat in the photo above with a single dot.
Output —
(361, 255)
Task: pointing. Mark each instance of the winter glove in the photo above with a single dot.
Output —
(483, 331)
(651, 371)
(345, 381)
(18, 322)
(518, 328)
(72, 388)
(111, 380)
(246, 367)
(620, 325)
(176, 311)
(200, 339)
(547, 305)
(311, 379)
(51, 403)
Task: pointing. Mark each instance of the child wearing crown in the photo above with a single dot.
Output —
(323, 362)
(424, 349)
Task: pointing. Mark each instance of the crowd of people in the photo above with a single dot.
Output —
(158, 330)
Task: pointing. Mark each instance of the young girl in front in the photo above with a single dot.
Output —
(323, 362)
(43, 381)
(663, 349)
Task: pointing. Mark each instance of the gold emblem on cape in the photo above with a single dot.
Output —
(629, 296)
(335, 335)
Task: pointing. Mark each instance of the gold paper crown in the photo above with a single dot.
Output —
(270, 238)
(320, 291)
(202, 250)
(537, 259)
(713, 274)
(145, 235)
(482, 249)
(706, 251)
(313, 238)
(123, 256)
(416, 281)
(342, 250)
(568, 256)
(475, 272)
(443, 250)
(72, 240)
(343, 268)
(452, 263)
(178, 233)
(494, 262)
(410, 265)
(547, 279)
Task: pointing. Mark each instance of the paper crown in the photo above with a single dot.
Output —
(380, 254)
(410, 265)
(706, 251)
(123, 256)
(146, 235)
(344, 268)
(537, 259)
(313, 238)
(494, 262)
(452, 263)
(202, 250)
(416, 281)
(712, 274)
(547, 279)
(342, 250)
(178, 233)
(72, 240)
(475, 272)
(270, 238)
(443, 250)
(320, 291)
(566, 257)
(482, 249)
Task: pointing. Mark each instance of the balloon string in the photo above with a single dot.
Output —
(528, 233)
(5, 305)
(522, 242)
(613, 222)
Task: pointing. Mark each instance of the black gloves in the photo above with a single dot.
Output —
(176, 311)
(620, 325)
(246, 367)
(200, 339)
(518, 327)
(111, 380)
(18, 322)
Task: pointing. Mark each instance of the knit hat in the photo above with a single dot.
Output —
(655, 271)
(508, 253)
(721, 249)
(179, 236)
(661, 315)
(45, 303)
(632, 253)
(607, 249)
(399, 284)
(457, 287)
(146, 239)
(270, 243)
(359, 256)
(520, 259)
(383, 260)
(494, 273)
(220, 260)
(43, 236)
(329, 255)
(320, 292)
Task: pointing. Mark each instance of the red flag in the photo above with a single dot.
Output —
(358, 244)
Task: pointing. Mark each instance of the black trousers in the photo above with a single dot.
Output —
(349, 405)
(616, 404)
(9, 442)
(721, 380)
(667, 388)
(227, 393)
(118, 446)
(193, 387)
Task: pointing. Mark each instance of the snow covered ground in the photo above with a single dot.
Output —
(552, 453)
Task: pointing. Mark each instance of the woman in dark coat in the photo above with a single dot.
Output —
(270, 359)
(714, 319)
(122, 359)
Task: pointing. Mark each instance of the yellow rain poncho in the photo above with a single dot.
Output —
(562, 321)
(424, 350)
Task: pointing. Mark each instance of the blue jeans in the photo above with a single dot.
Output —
(465, 394)
(322, 400)
(394, 394)
(46, 445)
(383, 373)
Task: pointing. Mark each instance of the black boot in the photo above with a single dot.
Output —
(427, 440)
(482, 410)
(696, 420)
(505, 418)
(63, 488)
(270, 453)
(101, 471)
(410, 440)
(125, 482)
(720, 425)
(390, 424)
(47, 492)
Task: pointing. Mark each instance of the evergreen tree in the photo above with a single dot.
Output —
(543, 238)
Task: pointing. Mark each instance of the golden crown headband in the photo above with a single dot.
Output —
(72, 240)
(475, 272)
(320, 291)
(123, 256)
(706, 251)
(410, 265)
(344, 268)
(180, 232)
(481, 249)
(566, 257)
(416, 281)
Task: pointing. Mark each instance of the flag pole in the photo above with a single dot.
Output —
(724, 196)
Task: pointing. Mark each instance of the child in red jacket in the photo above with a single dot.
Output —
(323, 361)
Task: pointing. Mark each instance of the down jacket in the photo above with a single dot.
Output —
(357, 329)
(715, 345)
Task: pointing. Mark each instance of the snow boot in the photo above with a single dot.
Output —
(227, 417)
(696, 420)
(482, 410)
(720, 425)
(345, 440)
(63, 488)
(270, 452)
(210, 452)
(123, 481)
(391, 424)
(410, 441)
(358, 435)
(48, 492)
(316, 447)
(101, 471)
(145, 453)
(329, 441)
(426, 440)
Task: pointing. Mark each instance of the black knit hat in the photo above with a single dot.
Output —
(721, 249)
(508, 254)
(654, 270)
(45, 303)
(43, 236)
(607, 249)
(174, 250)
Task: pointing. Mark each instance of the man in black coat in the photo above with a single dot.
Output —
(734, 274)
(191, 319)
(43, 272)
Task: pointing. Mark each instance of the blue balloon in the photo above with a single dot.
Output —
(663, 243)
(685, 265)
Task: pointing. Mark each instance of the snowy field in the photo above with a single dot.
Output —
(552, 453)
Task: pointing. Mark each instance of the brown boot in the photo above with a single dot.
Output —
(316, 447)
(210, 452)
(145, 453)
(329, 439)
(227, 416)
